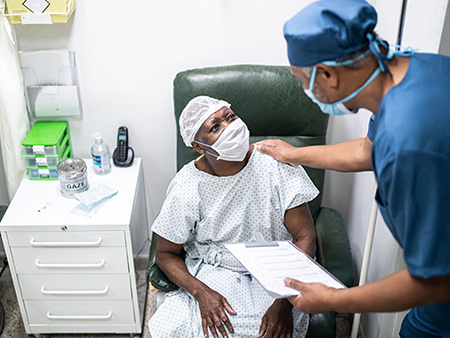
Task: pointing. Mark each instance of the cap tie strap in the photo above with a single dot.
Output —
(374, 44)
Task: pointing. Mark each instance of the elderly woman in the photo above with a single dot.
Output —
(230, 192)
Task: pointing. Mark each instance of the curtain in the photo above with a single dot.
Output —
(14, 123)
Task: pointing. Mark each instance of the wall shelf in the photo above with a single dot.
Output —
(38, 11)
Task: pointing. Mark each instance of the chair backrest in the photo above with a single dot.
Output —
(2, 211)
(270, 101)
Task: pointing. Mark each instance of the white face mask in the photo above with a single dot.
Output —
(233, 143)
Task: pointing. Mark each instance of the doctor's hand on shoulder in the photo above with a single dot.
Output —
(280, 150)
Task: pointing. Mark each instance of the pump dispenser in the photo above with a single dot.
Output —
(101, 156)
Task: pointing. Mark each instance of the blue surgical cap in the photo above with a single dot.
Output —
(327, 30)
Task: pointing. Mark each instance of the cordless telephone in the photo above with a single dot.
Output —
(123, 155)
(122, 144)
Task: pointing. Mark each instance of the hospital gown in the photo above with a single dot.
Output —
(203, 212)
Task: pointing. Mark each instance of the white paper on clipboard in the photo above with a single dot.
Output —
(271, 264)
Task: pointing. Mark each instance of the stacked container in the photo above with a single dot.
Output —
(47, 144)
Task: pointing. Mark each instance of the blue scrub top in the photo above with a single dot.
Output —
(411, 161)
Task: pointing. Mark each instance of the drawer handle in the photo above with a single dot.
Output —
(74, 292)
(34, 243)
(73, 266)
(50, 316)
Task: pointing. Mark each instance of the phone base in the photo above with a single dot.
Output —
(128, 161)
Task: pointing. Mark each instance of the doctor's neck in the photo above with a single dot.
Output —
(371, 97)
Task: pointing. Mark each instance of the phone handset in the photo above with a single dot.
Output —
(123, 155)
(122, 144)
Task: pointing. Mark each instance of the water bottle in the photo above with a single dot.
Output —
(101, 156)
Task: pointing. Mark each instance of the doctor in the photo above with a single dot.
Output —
(343, 65)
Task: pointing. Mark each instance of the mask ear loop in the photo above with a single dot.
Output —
(209, 146)
(333, 64)
(312, 80)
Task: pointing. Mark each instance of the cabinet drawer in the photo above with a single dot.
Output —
(66, 239)
(79, 312)
(106, 260)
(63, 287)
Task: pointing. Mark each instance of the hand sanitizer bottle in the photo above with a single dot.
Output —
(101, 156)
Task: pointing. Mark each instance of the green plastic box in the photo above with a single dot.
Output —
(46, 144)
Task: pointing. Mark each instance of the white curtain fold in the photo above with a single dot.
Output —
(14, 123)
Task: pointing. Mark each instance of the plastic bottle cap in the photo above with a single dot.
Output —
(98, 138)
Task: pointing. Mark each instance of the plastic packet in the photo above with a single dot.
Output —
(93, 199)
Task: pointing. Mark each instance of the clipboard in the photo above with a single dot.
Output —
(271, 262)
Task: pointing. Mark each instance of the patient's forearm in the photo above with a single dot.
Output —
(300, 225)
(175, 269)
(308, 245)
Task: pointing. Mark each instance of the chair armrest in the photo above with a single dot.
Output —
(155, 275)
(333, 245)
(322, 325)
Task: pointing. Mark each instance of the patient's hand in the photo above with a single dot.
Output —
(212, 308)
(277, 321)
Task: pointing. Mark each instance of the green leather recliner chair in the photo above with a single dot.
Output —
(273, 105)
(2, 211)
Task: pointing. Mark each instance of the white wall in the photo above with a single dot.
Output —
(128, 57)
(424, 25)
(444, 47)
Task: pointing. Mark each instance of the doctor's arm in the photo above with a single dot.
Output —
(213, 306)
(397, 292)
(349, 156)
(278, 321)
(421, 210)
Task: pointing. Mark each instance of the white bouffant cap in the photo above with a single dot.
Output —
(195, 113)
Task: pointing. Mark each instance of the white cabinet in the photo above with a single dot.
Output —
(74, 274)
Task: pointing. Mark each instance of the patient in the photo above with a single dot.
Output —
(225, 196)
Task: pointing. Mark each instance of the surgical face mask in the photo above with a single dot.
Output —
(233, 143)
(338, 107)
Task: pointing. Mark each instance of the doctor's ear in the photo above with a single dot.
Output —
(327, 75)
(198, 148)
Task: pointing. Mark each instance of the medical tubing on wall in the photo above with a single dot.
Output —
(366, 256)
